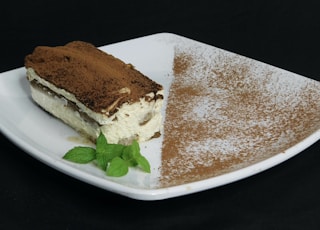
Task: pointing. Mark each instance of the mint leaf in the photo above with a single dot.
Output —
(105, 155)
(143, 163)
(114, 150)
(118, 167)
(115, 159)
(131, 153)
(101, 143)
(135, 148)
(127, 155)
(102, 160)
(81, 155)
(101, 154)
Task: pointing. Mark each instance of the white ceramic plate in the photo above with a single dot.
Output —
(47, 139)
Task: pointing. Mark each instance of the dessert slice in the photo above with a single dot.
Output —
(94, 92)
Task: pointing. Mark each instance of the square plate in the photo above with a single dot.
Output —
(268, 110)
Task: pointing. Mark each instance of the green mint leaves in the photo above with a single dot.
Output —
(114, 159)
(81, 155)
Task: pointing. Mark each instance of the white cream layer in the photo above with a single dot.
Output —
(140, 120)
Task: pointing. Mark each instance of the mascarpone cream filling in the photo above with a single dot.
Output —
(140, 120)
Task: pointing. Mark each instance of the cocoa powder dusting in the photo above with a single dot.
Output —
(97, 79)
(225, 112)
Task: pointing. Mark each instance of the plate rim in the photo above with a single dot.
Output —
(156, 193)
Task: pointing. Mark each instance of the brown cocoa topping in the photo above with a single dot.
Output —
(93, 76)
(222, 115)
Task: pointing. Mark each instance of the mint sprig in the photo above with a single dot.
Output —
(81, 155)
(114, 159)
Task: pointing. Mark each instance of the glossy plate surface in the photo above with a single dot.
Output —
(47, 139)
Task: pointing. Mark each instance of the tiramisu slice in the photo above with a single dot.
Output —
(94, 92)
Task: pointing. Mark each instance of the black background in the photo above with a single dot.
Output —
(282, 33)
